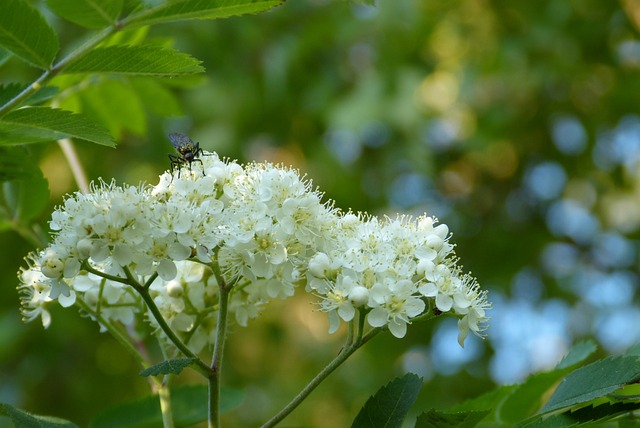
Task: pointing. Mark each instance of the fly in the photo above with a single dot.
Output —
(188, 152)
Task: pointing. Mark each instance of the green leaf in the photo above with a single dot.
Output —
(156, 97)
(178, 10)
(22, 419)
(587, 415)
(27, 198)
(174, 366)
(114, 103)
(593, 381)
(189, 405)
(436, 419)
(88, 13)
(37, 124)
(578, 353)
(389, 406)
(529, 397)
(4, 56)
(489, 400)
(633, 350)
(16, 164)
(9, 91)
(24, 32)
(136, 60)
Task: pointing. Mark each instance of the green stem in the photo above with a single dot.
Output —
(56, 69)
(344, 354)
(143, 291)
(26, 93)
(115, 332)
(164, 393)
(200, 366)
(162, 388)
(218, 351)
(86, 266)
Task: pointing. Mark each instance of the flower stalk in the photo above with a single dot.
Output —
(347, 350)
(216, 360)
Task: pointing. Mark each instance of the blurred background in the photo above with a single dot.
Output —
(515, 123)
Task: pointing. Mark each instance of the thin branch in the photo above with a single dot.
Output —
(74, 162)
(116, 333)
(216, 360)
(344, 354)
(86, 266)
(200, 366)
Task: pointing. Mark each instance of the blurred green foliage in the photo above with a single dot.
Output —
(411, 106)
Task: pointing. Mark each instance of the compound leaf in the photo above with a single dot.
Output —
(136, 60)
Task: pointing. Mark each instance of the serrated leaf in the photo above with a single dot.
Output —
(88, 13)
(27, 198)
(593, 381)
(22, 419)
(586, 415)
(133, 37)
(578, 353)
(9, 91)
(389, 406)
(528, 397)
(25, 32)
(136, 60)
(178, 10)
(4, 56)
(37, 124)
(189, 406)
(489, 400)
(436, 419)
(174, 366)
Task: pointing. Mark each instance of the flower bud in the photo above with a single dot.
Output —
(52, 266)
(174, 289)
(84, 248)
(359, 296)
(319, 265)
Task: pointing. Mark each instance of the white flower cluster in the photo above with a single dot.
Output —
(390, 269)
(259, 229)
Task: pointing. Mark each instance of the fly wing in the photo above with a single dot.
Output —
(180, 141)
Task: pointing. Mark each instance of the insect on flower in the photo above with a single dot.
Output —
(189, 152)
